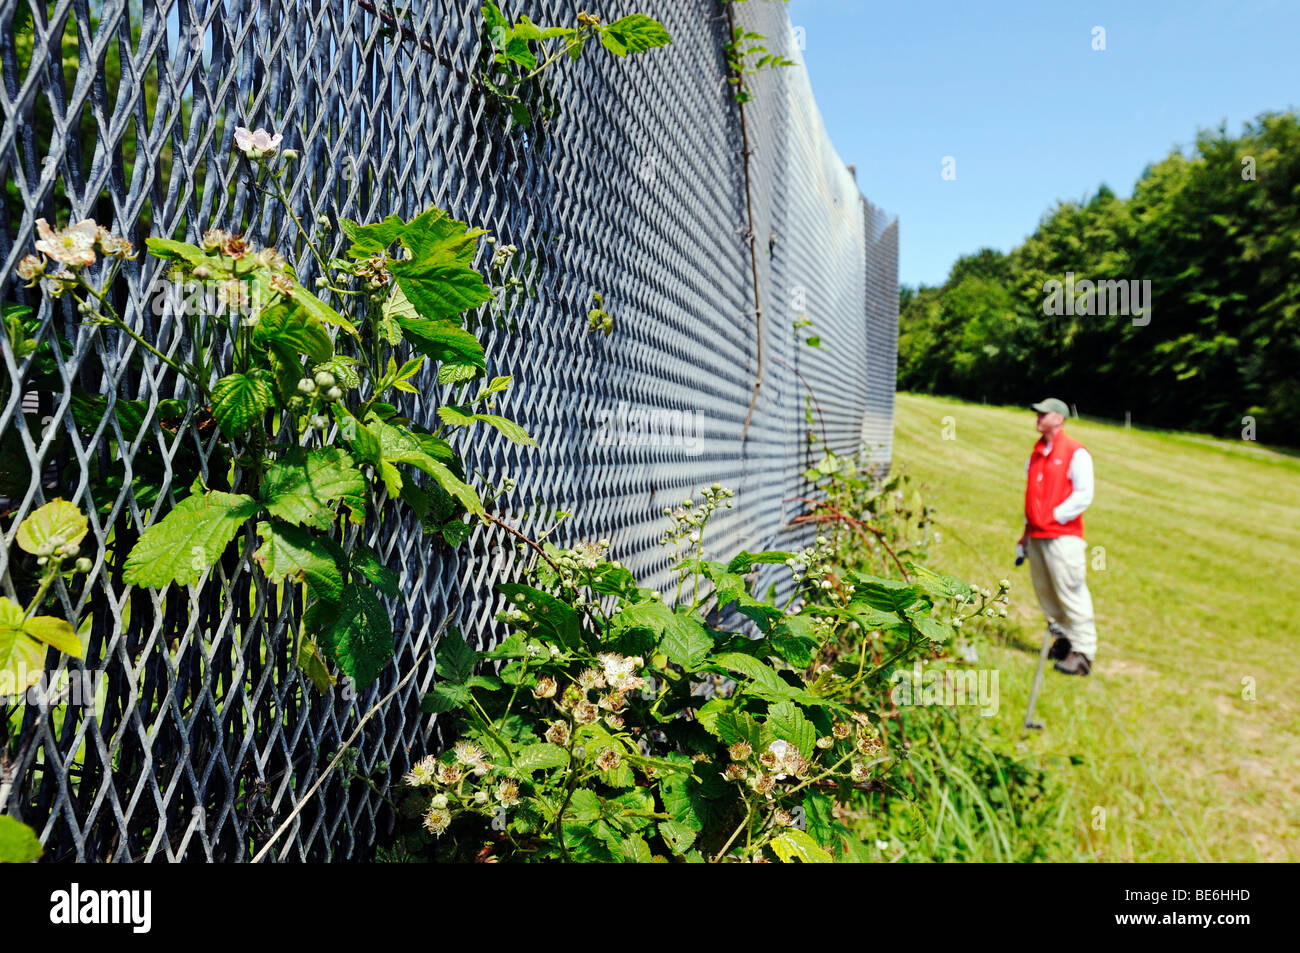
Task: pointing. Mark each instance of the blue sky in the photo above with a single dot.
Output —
(1014, 92)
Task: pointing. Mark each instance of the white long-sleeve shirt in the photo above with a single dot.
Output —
(1081, 479)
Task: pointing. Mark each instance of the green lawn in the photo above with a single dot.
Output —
(1197, 600)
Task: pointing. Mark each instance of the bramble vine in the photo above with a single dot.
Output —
(517, 54)
(617, 724)
(312, 441)
(746, 56)
(51, 535)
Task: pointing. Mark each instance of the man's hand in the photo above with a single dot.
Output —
(1023, 541)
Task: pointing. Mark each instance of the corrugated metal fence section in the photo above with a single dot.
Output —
(204, 736)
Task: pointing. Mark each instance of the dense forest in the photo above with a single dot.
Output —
(1217, 235)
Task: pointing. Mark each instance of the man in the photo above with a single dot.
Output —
(1058, 490)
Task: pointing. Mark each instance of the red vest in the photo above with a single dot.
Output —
(1048, 487)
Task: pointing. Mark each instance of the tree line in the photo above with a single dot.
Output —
(1217, 340)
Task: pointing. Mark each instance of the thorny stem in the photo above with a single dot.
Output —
(288, 207)
(51, 573)
(111, 317)
(811, 393)
(488, 725)
(581, 36)
(744, 824)
(570, 784)
(834, 514)
(753, 254)
(537, 548)
(515, 694)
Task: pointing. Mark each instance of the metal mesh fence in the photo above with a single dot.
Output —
(202, 735)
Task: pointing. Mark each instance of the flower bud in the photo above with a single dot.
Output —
(83, 565)
(334, 393)
(306, 385)
(324, 379)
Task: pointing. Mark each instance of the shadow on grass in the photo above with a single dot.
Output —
(1016, 637)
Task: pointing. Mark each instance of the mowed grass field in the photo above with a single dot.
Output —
(1197, 608)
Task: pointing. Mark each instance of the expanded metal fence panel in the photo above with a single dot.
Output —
(881, 352)
(202, 736)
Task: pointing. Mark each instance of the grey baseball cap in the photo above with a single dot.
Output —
(1052, 406)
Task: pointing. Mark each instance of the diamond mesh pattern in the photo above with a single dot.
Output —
(203, 735)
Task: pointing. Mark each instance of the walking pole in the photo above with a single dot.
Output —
(1030, 724)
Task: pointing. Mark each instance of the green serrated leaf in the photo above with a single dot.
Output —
(188, 540)
(56, 632)
(238, 400)
(557, 621)
(343, 368)
(439, 278)
(632, 849)
(22, 660)
(359, 640)
(367, 562)
(287, 326)
(24, 643)
(454, 416)
(585, 806)
(300, 554)
(371, 240)
(765, 679)
(312, 664)
(444, 341)
(445, 696)
(634, 34)
(362, 441)
(498, 26)
(928, 627)
(681, 637)
(496, 386)
(20, 342)
(787, 722)
(539, 757)
(889, 595)
(455, 658)
(793, 845)
(684, 799)
(743, 562)
(170, 250)
(678, 837)
(512, 431)
(734, 726)
(456, 373)
(320, 311)
(399, 445)
(872, 620)
(302, 486)
(48, 528)
(455, 532)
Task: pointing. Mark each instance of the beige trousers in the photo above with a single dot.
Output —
(1059, 568)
